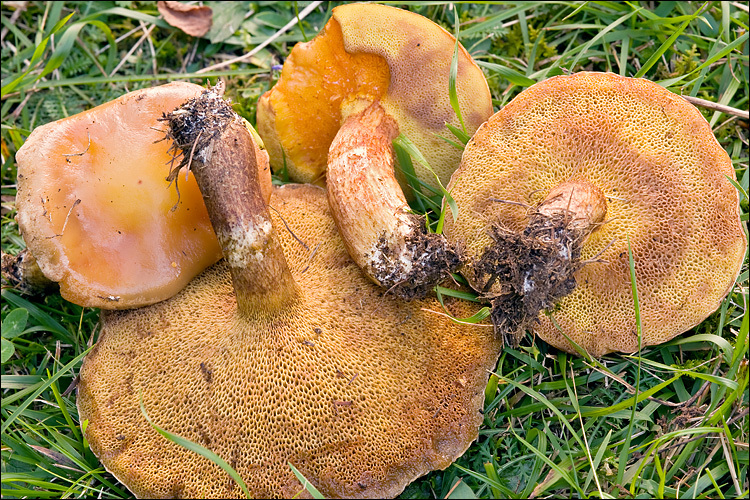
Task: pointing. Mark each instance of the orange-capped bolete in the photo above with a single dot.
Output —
(97, 212)
(375, 72)
(284, 352)
(552, 188)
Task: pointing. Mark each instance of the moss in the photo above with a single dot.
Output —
(510, 44)
(681, 63)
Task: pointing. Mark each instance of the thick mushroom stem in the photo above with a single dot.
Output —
(383, 237)
(223, 157)
(584, 203)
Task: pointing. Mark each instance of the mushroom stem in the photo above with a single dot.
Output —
(224, 160)
(383, 237)
(583, 202)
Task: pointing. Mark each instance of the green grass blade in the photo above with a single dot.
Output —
(536, 470)
(470, 296)
(412, 150)
(454, 74)
(491, 483)
(639, 331)
(305, 483)
(665, 46)
(601, 34)
(511, 75)
(403, 160)
(561, 471)
(62, 371)
(196, 448)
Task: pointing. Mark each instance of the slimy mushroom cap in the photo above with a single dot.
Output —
(95, 208)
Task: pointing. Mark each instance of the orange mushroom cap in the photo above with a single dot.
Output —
(371, 52)
(618, 146)
(95, 208)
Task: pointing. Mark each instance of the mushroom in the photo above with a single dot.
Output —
(97, 212)
(281, 353)
(556, 185)
(372, 73)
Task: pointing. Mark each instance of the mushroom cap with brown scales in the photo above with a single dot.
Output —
(370, 52)
(629, 161)
(359, 391)
(95, 208)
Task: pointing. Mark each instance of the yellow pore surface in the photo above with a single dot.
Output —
(368, 52)
(361, 392)
(94, 205)
(664, 176)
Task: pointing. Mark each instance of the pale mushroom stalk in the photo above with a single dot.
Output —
(389, 242)
(232, 191)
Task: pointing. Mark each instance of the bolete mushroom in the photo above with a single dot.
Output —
(553, 187)
(372, 73)
(282, 353)
(97, 212)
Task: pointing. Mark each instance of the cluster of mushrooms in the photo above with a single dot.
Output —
(297, 324)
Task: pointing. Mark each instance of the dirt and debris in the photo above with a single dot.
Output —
(192, 127)
(21, 272)
(412, 271)
(534, 268)
(196, 123)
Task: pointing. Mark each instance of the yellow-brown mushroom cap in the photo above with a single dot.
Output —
(370, 52)
(357, 390)
(666, 183)
(95, 208)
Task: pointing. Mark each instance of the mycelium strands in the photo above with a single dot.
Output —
(536, 267)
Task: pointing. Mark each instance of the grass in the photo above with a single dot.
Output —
(669, 421)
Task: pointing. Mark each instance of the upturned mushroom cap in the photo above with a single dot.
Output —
(359, 391)
(664, 184)
(373, 73)
(95, 208)
(370, 52)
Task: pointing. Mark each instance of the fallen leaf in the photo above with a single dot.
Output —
(192, 19)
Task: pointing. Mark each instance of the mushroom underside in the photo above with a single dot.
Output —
(357, 391)
(653, 184)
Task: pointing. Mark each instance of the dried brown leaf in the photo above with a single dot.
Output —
(192, 19)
